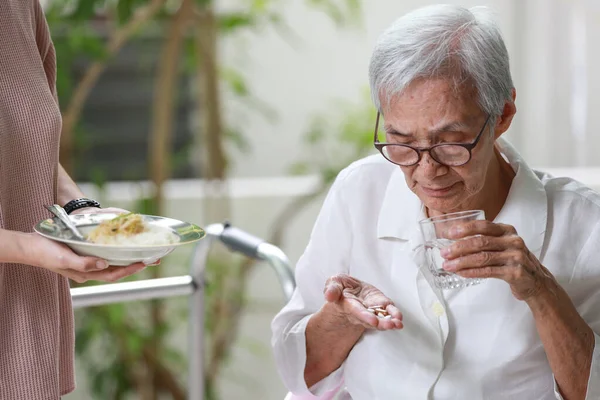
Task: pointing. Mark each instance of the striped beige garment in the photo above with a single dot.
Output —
(36, 320)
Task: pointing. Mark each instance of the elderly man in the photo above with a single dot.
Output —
(440, 79)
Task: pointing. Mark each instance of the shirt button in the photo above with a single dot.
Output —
(438, 309)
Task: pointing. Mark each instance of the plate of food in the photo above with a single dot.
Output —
(122, 239)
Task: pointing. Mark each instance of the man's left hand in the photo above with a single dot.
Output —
(496, 252)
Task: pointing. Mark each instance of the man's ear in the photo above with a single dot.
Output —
(505, 119)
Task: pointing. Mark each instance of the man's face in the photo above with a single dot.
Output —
(430, 112)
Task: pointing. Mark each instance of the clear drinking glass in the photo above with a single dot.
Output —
(435, 234)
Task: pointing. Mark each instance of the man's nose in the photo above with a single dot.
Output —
(430, 168)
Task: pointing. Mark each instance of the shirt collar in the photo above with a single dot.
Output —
(525, 207)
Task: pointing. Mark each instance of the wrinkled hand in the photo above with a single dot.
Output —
(59, 258)
(352, 297)
(499, 252)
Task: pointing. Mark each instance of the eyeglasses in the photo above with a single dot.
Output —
(448, 154)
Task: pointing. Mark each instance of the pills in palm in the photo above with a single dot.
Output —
(380, 311)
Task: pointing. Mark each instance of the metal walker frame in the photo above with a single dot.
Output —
(192, 285)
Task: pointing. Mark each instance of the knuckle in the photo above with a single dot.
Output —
(483, 258)
(457, 247)
(334, 280)
(338, 278)
(518, 242)
(83, 265)
(487, 272)
(482, 241)
(518, 258)
(470, 226)
(487, 258)
(518, 272)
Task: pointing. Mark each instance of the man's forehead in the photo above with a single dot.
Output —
(455, 118)
(438, 86)
(433, 97)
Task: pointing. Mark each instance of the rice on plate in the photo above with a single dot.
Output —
(131, 230)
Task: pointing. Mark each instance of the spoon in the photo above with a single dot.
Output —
(62, 215)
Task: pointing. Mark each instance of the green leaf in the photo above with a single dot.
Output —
(146, 205)
(236, 81)
(238, 139)
(315, 134)
(98, 175)
(124, 10)
(116, 314)
(135, 343)
(85, 10)
(174, 356)
(190, 55)
(260, 6)
(229, 22)
(94, 47)
(299, 168)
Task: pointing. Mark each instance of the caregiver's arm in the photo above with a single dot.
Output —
(33, 249)
(67, 189)
(11, 248)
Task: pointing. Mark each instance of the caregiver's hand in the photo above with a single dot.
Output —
(499, 252)
(57, 257)
(350, 299)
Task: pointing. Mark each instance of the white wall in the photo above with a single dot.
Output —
(328, 64)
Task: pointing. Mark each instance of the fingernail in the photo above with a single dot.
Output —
(449, 265)
(445, 252)
(101, 264)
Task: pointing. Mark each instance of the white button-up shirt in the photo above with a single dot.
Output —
(473, 343)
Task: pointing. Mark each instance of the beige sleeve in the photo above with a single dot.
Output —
(45, 46)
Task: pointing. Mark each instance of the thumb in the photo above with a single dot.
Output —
(333, 290)
(86, 264)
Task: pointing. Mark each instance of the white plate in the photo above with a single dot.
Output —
(119, 255)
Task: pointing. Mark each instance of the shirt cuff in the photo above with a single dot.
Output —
(323, 389)
(593, 386)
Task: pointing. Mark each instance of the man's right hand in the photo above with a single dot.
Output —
(332, 332)
(349, 298)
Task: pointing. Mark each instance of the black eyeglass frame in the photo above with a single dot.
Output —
(420, 150)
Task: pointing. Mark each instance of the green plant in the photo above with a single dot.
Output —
(133, 339)
(333, 141)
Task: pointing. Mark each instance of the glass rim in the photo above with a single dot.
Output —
(432, 152)
(450, 216)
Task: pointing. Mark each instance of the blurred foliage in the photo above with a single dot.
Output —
(138, 356)
(333, 141)
(337, 138)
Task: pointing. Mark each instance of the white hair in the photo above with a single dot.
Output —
(464, 45)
